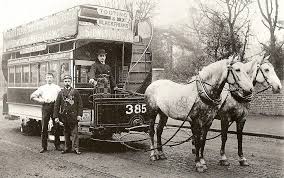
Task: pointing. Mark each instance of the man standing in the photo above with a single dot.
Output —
(46, 95)
(69, 107)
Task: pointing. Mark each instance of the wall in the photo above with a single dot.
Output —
(268, 103)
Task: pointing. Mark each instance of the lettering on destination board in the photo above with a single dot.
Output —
(63, 24)
(106, 17)
(113, 13)
(97, 32)
(113, 24)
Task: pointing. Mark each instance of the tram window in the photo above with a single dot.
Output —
(13, 55)
(53, 48)
(42, 73)
(18, 77)
(54, 68)
(35, 53)
(43, 52)
(34, 74)
(18, 55)
(64, 70)
(11, 76)
(25, 55)
(82, 74)
(26, 73)
(66, 46)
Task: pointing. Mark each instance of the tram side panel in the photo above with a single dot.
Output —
(20, 104)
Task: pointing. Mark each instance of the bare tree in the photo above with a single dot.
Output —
(270, 19)
(140, 10)
(224, 27)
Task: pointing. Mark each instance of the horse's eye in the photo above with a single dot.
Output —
(266, 70)
(238, 70)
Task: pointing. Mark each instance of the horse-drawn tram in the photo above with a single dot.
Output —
(66, 43)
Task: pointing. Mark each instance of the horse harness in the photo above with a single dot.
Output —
(203, 91)
(244, 99)
(264, 76)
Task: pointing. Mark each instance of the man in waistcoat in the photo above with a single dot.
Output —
(69, 109)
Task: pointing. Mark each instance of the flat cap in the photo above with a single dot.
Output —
(67, 77)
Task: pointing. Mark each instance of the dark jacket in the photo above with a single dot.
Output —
(98, 69)
(68, 105)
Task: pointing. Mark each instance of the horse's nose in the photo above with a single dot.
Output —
(246, 93)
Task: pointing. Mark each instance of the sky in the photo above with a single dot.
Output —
(17, 12)
(169, 12)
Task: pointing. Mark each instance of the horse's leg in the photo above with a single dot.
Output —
(193, 151)
(195, 128)
(240, 127)
(224, 133)
(162, 122)
(204, 132)
(153, 156)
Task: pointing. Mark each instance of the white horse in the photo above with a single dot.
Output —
(235, 107)
(196, 102)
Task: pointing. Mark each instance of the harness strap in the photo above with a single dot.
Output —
(203, 93)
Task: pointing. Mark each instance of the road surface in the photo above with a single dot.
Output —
(20, 157)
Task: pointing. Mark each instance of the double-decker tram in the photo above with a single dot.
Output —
(66, 43)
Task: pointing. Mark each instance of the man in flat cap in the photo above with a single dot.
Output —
(69, 108)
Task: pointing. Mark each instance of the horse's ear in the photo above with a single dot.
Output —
(265, 58)
(231, 60)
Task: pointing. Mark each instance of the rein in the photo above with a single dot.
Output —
(173, 134)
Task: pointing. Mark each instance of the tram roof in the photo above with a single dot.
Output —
(79, 22)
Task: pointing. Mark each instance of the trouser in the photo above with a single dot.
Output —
(47, 112)
(71, 129)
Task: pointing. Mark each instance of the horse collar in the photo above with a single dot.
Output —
(240, 97)
(203, 93)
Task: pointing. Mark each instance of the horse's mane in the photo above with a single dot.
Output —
(209, 71)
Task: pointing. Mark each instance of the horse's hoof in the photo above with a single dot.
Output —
(224, 162)
(193, 151)
(200, 169)
(244, 163)
(204, 167)
(154, 158)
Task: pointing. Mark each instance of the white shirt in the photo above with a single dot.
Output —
(47, 92)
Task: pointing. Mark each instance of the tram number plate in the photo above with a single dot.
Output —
(137, 108)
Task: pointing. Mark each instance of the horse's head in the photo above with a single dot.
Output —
(237, 76)
(266, 75)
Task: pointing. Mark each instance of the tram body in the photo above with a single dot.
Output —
(66, 43)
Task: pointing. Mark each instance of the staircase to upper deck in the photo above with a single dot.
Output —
(140, 71)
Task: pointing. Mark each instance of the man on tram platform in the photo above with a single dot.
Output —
(46, 95)
(101, 76)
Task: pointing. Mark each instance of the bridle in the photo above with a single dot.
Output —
(203, 91)
(264, 76)
(235, 77)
